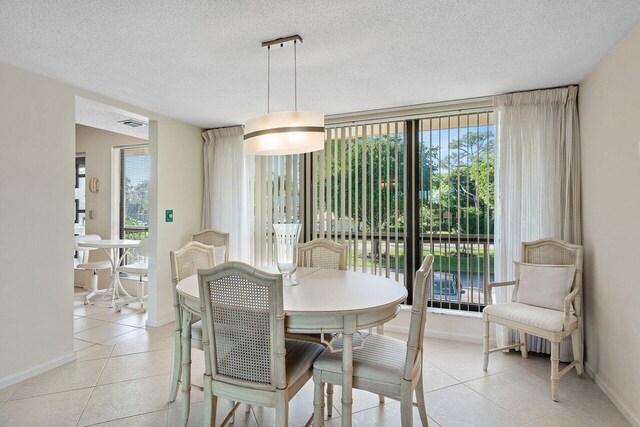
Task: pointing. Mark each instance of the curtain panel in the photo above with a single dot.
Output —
(537, 183)
(225, 202)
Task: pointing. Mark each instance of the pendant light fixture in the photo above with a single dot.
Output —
(286, 132)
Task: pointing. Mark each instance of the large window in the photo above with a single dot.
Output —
(394, 191)
(134, 194)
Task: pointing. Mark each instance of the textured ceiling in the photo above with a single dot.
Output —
(97, 115)
(201, 61)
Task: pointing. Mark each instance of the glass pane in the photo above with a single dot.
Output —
(136, 187)
(457, 205)
(135, 197)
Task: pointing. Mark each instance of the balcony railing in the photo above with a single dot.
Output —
(136, 232)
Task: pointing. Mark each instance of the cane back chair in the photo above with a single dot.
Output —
(554, 325)
(247, 358)
(185, 262)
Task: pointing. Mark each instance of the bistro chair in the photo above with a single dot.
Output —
(546, 302)
(384, 366)
(247, 358)
(93, 266)
(139, 268)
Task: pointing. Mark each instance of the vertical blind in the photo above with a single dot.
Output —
(357, 195)
(277, 199)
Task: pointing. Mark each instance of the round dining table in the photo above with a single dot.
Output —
(329, 302)
(112, 247)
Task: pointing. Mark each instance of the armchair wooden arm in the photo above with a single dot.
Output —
(568, 301)
(492, 285)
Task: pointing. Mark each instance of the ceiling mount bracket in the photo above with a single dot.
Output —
(282, 40)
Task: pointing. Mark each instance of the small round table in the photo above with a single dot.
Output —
(328, 301)
(111, 247)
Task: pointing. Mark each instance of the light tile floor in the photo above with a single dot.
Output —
(122, 373)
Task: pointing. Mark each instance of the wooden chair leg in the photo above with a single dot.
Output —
(523, 340)
(318, 399)
(406, 404)
(381, 399)
(329, 400)
(578, 349)
(177, 364)
(186, 367)
(282, 410)
(422, 407)
(210, 403)
(555, 365)
(485, 345)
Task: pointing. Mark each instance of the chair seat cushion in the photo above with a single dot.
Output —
(94, 265)
(141, 268)
(381, 359)
(538, 317)
(300, 357)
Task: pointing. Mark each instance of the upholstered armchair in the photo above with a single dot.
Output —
(546, 302)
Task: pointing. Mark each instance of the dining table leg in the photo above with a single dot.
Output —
(186, 366)
(347, 369)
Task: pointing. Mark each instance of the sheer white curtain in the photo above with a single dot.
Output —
(225, 203)
(537, 182)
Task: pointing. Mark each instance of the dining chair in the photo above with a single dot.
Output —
(546, 302)
(247, 358)
(93, 266)
(185, 262)
(384, 365)
(218, 239)
(323, 253)
(139, 268)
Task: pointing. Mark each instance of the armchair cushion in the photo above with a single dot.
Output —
(544, 285)
(537, 317)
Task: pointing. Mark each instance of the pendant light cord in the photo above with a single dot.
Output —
(295, 76)
(268, 78)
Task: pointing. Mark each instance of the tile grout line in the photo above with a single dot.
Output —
(130, 416)
(84, 408)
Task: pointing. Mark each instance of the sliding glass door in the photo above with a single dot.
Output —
(134, 195)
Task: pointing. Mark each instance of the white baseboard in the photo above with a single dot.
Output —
(161, 320)
(622, 406)
(441, 335)
(36, 370)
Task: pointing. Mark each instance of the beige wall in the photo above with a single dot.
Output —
(609, 103)
(37, 133)
(37, 117)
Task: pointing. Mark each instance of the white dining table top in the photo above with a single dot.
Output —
(110, 243)
(325, 290)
